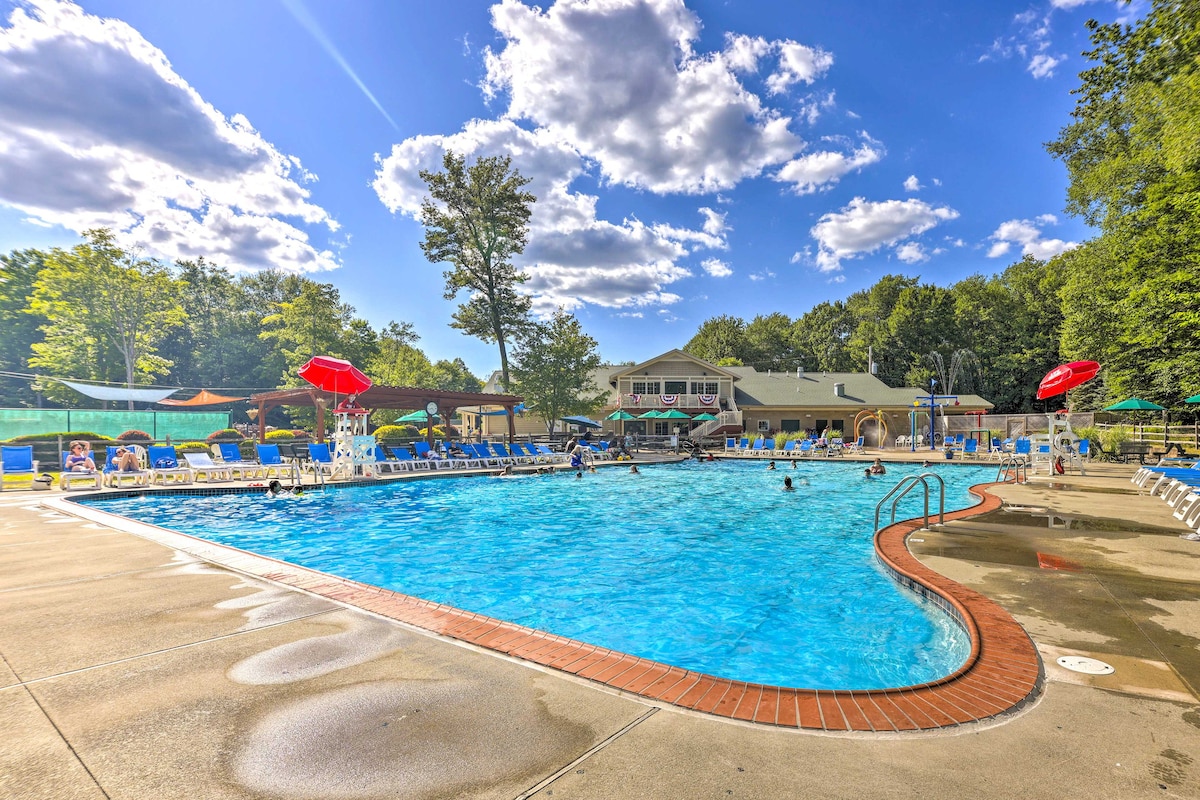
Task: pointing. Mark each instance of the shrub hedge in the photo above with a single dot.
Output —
(67, 436)
(135, 436)
(224, 435)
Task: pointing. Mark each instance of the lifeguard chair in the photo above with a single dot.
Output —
(353, 448)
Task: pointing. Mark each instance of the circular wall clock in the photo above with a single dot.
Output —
(431, 408)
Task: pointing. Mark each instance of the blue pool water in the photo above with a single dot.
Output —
(705, 566)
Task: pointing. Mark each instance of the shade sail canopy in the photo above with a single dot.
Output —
(205, 398)
(651, 414)
(1193, 399)
(584, 421)
(1066, 376)
(705, 417)
(621, 414)
(673, 413)
(119, 392)
(416, 416)
(334, 375)
(517, 409)
(1135, 404)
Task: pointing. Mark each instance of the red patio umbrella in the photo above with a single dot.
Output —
(334, 375)
(1067, 376)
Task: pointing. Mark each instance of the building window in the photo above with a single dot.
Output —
(764, 425)
(676, 387)
(789, 425)
(646, 387)
(704, 387)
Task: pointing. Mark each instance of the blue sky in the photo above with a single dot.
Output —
(690, 160)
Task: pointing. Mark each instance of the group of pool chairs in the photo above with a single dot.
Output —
(162, 464)
(1177, 481)
(792, 448)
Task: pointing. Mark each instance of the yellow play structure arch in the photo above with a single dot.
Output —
(877, 415)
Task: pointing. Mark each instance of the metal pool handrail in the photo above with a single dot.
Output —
(905, 486)
(1016, 464)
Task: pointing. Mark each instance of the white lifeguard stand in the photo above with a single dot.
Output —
(1063, 443)
(353, 448)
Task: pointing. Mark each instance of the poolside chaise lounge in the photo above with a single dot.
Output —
(205, 470)
(17, 462)
(231, 459)
(91, 479)
(319, 461)
(271, 462)
(115, 478)
(164, 466)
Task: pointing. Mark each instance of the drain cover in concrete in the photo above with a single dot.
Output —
(1088, 665)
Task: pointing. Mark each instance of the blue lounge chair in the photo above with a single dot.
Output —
(503, 453)
(546, 452)
(970, 448)
(320, 460)
(272, 462)
(426, 454)
(789, 448)
(231, 459)
(17, 466)
(91, 479)
(806, 448)
(730, 445)
(386, 465)
(164, 466)
(405, 456)
(116, 478)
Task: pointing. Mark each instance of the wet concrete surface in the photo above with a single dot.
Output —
(129, 671)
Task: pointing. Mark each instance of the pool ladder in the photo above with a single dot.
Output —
(1016, 465)
(907, 485)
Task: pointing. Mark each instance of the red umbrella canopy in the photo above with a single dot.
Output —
(334, 375)
(1067, 376)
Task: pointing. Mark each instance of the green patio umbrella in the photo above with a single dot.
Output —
(1193, 399)
(651, 414)
(1135, 404)
(704, 417)
(620, 414)
(415, 416)
(673, 413)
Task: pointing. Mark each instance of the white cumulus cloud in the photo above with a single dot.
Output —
(1027, 234)
(716, 267)
(815, 171)
(911, 184)
(97, 130)
(864, 227)
(659, 116)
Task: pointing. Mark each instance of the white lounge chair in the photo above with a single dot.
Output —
(205, 470)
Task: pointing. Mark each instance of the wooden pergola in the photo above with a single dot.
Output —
(398, 397)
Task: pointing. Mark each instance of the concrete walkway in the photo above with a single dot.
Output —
(132, 670)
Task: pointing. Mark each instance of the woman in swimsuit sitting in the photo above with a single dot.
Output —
(79, 460)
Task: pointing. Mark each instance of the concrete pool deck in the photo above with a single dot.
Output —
(136, 670)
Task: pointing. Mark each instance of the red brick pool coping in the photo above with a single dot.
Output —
(1002, 673)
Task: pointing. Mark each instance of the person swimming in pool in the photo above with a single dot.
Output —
(771, 465)
(787, 484)
(878, 468)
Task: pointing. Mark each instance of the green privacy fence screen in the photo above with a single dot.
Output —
(177, 425)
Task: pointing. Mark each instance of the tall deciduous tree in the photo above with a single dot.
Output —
(99, 302)
(553, 365)
(477, 219)
(19, 328)
(317, 323)
(1132, 152)
(719, 338)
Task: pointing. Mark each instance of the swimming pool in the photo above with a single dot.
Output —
(705, 566)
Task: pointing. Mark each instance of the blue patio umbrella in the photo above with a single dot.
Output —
(584, 421)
